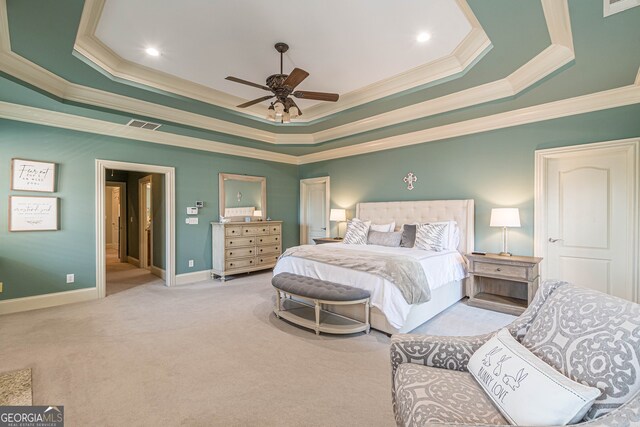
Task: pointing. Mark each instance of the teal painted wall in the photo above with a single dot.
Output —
(36, 263)
(494, 168)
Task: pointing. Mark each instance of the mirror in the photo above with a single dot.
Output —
(242, 196)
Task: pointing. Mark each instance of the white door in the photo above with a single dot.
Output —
(314, 209)
(591, 219)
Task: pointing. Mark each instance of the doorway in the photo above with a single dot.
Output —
(314, 208)
(115, 221)
(156, 219)
(586, 215)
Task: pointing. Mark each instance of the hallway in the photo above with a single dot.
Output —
(122, 276)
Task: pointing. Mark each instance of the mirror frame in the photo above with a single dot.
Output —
(263, 187)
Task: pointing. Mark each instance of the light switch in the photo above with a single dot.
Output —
(191, 221)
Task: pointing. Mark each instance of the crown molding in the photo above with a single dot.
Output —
(44, 117)
(619, 97)
(89, 46)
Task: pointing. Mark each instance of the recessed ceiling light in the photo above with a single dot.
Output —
(423, 37)
(152, 51)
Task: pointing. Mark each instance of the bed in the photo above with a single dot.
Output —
(445, 270)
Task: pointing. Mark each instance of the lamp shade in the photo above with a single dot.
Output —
(505, 217)
(338, 215)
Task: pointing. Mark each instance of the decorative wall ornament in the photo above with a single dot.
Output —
(410, 179)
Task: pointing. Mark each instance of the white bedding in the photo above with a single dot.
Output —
(439, 267)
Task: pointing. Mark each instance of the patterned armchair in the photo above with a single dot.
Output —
(590, 337)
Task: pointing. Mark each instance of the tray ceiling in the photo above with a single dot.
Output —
(202, 42)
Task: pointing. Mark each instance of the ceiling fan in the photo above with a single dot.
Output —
(282, 88)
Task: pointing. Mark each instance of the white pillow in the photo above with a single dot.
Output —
(452, 235)
(357, 232)
(385, 228)
(526, 390)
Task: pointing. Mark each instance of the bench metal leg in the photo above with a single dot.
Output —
(317, 304)
(278, 307)
(366, 315)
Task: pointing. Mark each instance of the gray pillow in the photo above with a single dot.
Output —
(408, 236)
(381, 238)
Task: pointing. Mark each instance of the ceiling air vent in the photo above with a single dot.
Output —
(143, 125)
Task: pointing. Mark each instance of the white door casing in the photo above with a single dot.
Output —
(170, 223)
(314, 208)
(586, 225)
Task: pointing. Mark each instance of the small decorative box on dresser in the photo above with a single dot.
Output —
(241, 247)
(502, 283)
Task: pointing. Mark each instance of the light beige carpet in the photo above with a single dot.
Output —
(123, 276)
(206, 354)
(15, 388)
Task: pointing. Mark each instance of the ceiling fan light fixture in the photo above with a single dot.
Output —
(286, 117)
(278, 107)
(294, 112)
(271, 113)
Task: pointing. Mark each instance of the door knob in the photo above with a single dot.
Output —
(552, 240)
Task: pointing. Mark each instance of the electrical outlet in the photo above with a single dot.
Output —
(190, 263)
(71, 278)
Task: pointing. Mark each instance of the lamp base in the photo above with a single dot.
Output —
(505, 254)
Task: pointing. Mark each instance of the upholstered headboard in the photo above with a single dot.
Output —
(461, 211)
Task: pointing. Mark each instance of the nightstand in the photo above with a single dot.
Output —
(502, 283)
(322, 240)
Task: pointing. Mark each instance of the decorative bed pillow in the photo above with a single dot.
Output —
(431, 237)
(526, 390)
(408, 236)
(357, 232)
(385, 228)
(391, 239)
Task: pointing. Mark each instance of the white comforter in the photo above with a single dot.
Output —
(439, 267)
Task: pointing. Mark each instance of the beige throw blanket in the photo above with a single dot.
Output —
(404, 272)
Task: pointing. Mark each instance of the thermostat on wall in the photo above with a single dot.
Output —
(192, 211)
(199, 204)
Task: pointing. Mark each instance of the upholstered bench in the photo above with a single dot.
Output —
(304, 301)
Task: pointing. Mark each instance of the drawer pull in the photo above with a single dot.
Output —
(251, 262)
(261, 240)
(498, 269)
(231, 242)
(276, 239)
(230, 253)
(231, 264)
(264, 229)
(250, 241)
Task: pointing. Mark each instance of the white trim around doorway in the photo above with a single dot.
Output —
(303, 196)
(169, 193)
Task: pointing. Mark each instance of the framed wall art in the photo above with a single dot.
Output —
(33, 213)
(32, 175)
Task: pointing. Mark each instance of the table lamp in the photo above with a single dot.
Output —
(505, 217)
(338, 215)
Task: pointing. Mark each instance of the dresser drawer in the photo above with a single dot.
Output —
(268, 249)
(275, 229)
(240, 252)
(263, 240)
(233, 264)
(233, 231)
(513, 271)
(267, 259)
(234, 242)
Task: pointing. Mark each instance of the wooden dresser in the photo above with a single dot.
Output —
(241, 247)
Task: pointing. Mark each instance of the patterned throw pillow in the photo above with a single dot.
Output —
(431, 237)
(357, 232)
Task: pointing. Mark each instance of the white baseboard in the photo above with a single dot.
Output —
(158, 272)
(47, 300)
(133, 261)
(196, 276)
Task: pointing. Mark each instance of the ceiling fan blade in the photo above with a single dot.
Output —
(248, 83)
(255, 101)
(295, 78)
(318, 96)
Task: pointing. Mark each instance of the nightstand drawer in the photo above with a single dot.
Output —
(513, 271)
(240, 252)
(239, 263)
(239, 241)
